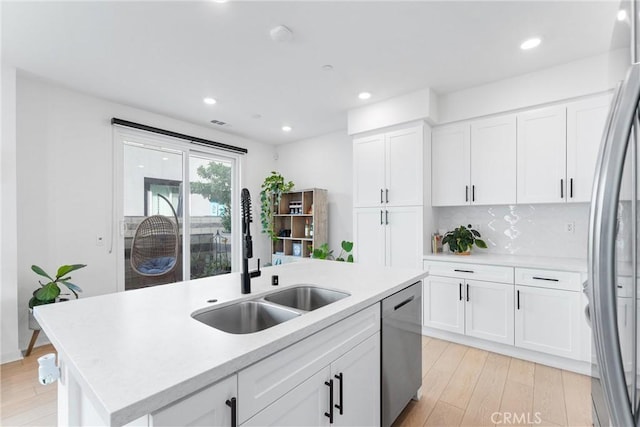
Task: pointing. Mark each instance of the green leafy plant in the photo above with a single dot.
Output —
(323, 252)
(216, 188)
(49, 291)
(461, 239)
(272, 189)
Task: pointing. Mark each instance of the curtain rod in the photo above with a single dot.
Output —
(220, 145)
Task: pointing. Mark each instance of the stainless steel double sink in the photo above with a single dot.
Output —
(246, 317)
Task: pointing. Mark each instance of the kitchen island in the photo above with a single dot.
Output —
(126, 355)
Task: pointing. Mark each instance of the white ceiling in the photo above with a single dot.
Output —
(166, 56)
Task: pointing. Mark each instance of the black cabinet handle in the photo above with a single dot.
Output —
(460, 291)
(341, 405)
(545, 278)
(386, 217)
(466, 193)
(571, 188)
(473, 193)
(386, 195)
(330, 413)
(518, 299)
(381, 201)
(463, 271)
(381, 222)
(467, 292)
(562, 188)
(234, 409)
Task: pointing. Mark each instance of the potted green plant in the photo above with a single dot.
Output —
(49, 292)
(272, 189)
(323, 252)
(461, 239)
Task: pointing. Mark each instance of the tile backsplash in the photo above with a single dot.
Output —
(532, 230)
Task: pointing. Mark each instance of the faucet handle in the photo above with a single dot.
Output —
(256, 273)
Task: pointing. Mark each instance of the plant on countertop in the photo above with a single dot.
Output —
(272, 189)
(49, 291)
(461, 239)
(323, 252)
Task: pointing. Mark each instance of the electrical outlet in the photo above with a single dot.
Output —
(570, 227)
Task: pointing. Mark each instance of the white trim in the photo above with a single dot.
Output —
(578, 366)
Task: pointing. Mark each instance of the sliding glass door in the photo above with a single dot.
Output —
(175, 208)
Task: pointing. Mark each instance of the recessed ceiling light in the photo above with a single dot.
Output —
(530, 43)
(220, 1)
(364, 95)
(621, 15)
(209, 101)
(165, 158)
(286, 128)
(140, 166)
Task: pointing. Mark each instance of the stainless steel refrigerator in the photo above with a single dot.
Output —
(612, 285)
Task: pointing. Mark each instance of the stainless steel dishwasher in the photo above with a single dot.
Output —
(401, 350)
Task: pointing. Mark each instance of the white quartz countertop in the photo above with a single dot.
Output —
(548, 263)
(135, 352)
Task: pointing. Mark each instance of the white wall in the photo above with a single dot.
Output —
(578, 78)
(9, 349)
(64, 182)
(324, 162)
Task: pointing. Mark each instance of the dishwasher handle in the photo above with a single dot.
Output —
(403, 303)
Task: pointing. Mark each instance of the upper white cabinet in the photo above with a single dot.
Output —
(585, 125)
(388, 168)
(474, 163)
(450, 160)
(542, 155)
(493, 166)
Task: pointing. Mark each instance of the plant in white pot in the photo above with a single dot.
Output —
(462, 238)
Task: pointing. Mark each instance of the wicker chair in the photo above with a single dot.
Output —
(154, 250)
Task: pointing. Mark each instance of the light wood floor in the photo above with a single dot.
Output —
(460, 386)
(23, 400)
(465, 386)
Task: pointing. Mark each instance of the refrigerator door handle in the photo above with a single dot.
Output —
(602, 237)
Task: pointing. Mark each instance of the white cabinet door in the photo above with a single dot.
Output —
(541, 156)
(368, 171)
(369, 236)
(489, 311)
(204, 408)
(548, 320)
(403, 228)
(443, 304)
(585, 125)
(450, 165)
(305, 405)
(356, 385)
(404, 164)
(493, 161)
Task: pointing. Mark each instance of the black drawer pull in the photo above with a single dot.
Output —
(330, 413)
(464, 271)
(405, 302)
(545, 278)
(460, 291)
(232, 404)
(341, 405)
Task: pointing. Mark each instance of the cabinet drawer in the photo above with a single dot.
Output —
(489, 273)
(264, 382)
(553, 279)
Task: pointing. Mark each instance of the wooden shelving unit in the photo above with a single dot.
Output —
(301, 222)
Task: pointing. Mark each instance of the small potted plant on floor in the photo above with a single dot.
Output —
(462, 238)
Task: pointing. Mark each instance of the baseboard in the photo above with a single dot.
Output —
(11, 356)
(577, 366)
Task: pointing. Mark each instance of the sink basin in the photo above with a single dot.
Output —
(305, 298)
(245, 317)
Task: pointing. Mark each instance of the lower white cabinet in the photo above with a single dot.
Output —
(390, 236)
(345, 393)
(471, 307)
(548, 320)
(212, 406)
